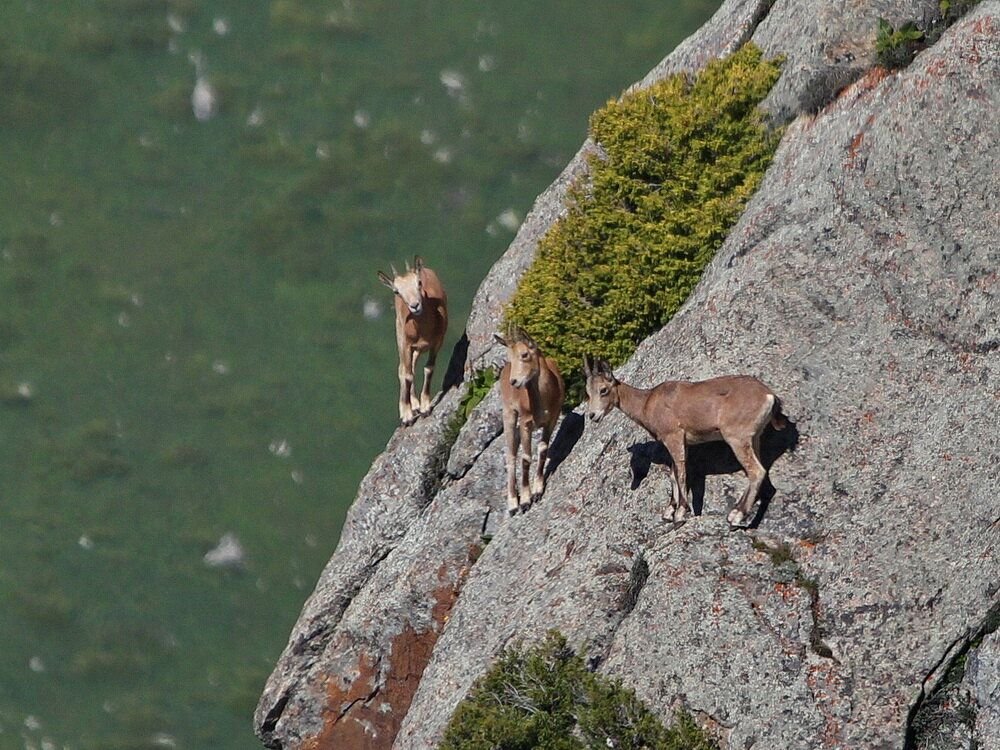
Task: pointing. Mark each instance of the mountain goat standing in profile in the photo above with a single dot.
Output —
(421, 322)
(679, 413)
(532, 391)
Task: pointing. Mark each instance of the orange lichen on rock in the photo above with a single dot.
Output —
(367, 713)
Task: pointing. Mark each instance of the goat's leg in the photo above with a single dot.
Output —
(414, 399)
(405, 385)
(675, 497)
(425, 394)
(677, 447)
(747, 453)
(538, 482)
(511, 440)
(525, 464)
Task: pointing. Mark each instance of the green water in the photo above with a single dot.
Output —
(183, 349)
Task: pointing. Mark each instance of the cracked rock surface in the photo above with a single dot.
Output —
(862, 285)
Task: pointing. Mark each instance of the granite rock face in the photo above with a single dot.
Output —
(862, 285)
(983, 679)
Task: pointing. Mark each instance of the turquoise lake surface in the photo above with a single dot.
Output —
(193, 341)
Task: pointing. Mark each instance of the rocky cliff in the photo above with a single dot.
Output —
(862, 285)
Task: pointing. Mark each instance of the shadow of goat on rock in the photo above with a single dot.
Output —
(734, 409)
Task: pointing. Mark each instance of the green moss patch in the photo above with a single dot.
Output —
(545, 697)
(680, 160)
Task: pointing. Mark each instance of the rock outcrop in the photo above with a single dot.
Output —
(862, 285)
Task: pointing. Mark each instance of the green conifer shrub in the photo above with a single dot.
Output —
(545, 698)
(680, 160)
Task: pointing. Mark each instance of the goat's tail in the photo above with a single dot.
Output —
(778, 419)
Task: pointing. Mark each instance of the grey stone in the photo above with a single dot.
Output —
(485, 423)
(983, 679)
(861, 284)
(827, 45)
(842, 288)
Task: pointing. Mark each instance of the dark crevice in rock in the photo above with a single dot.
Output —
(782, 556)
(271, 721)
(816, 642)
(436, 474)
(364, 700)
(637, 578)
(475, 457)
(762, 11)
(627, 600)
(825, 85)
(926, 715)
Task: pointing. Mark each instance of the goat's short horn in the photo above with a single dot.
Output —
(392, 268)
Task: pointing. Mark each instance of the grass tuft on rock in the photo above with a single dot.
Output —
(545, 697)
(896, 47)
(679, 161)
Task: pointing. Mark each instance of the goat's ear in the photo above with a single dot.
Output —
(586, 368)
(604, 369)
(386, 280)
(418, 263)
(499, 339)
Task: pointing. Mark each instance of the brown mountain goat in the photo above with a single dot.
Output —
(421, 322)
(679, 413)
(532, 391)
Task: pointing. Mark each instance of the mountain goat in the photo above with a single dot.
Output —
(532, 391)
(421, 322)
(679, 413)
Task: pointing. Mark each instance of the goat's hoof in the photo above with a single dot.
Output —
(511, 512)
(736, 518)
(680, 514)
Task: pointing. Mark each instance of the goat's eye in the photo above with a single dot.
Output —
(604, 390)
(524, 356)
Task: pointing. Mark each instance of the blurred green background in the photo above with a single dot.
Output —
(193, 342)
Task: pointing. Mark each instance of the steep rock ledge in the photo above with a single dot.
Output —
(861, 283)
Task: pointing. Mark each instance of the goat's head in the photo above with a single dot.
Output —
(602, 388)
(523, 355)
(409, 286)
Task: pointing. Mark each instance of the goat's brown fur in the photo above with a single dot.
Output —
(532, 391)
(421, 322)
(734, 408)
